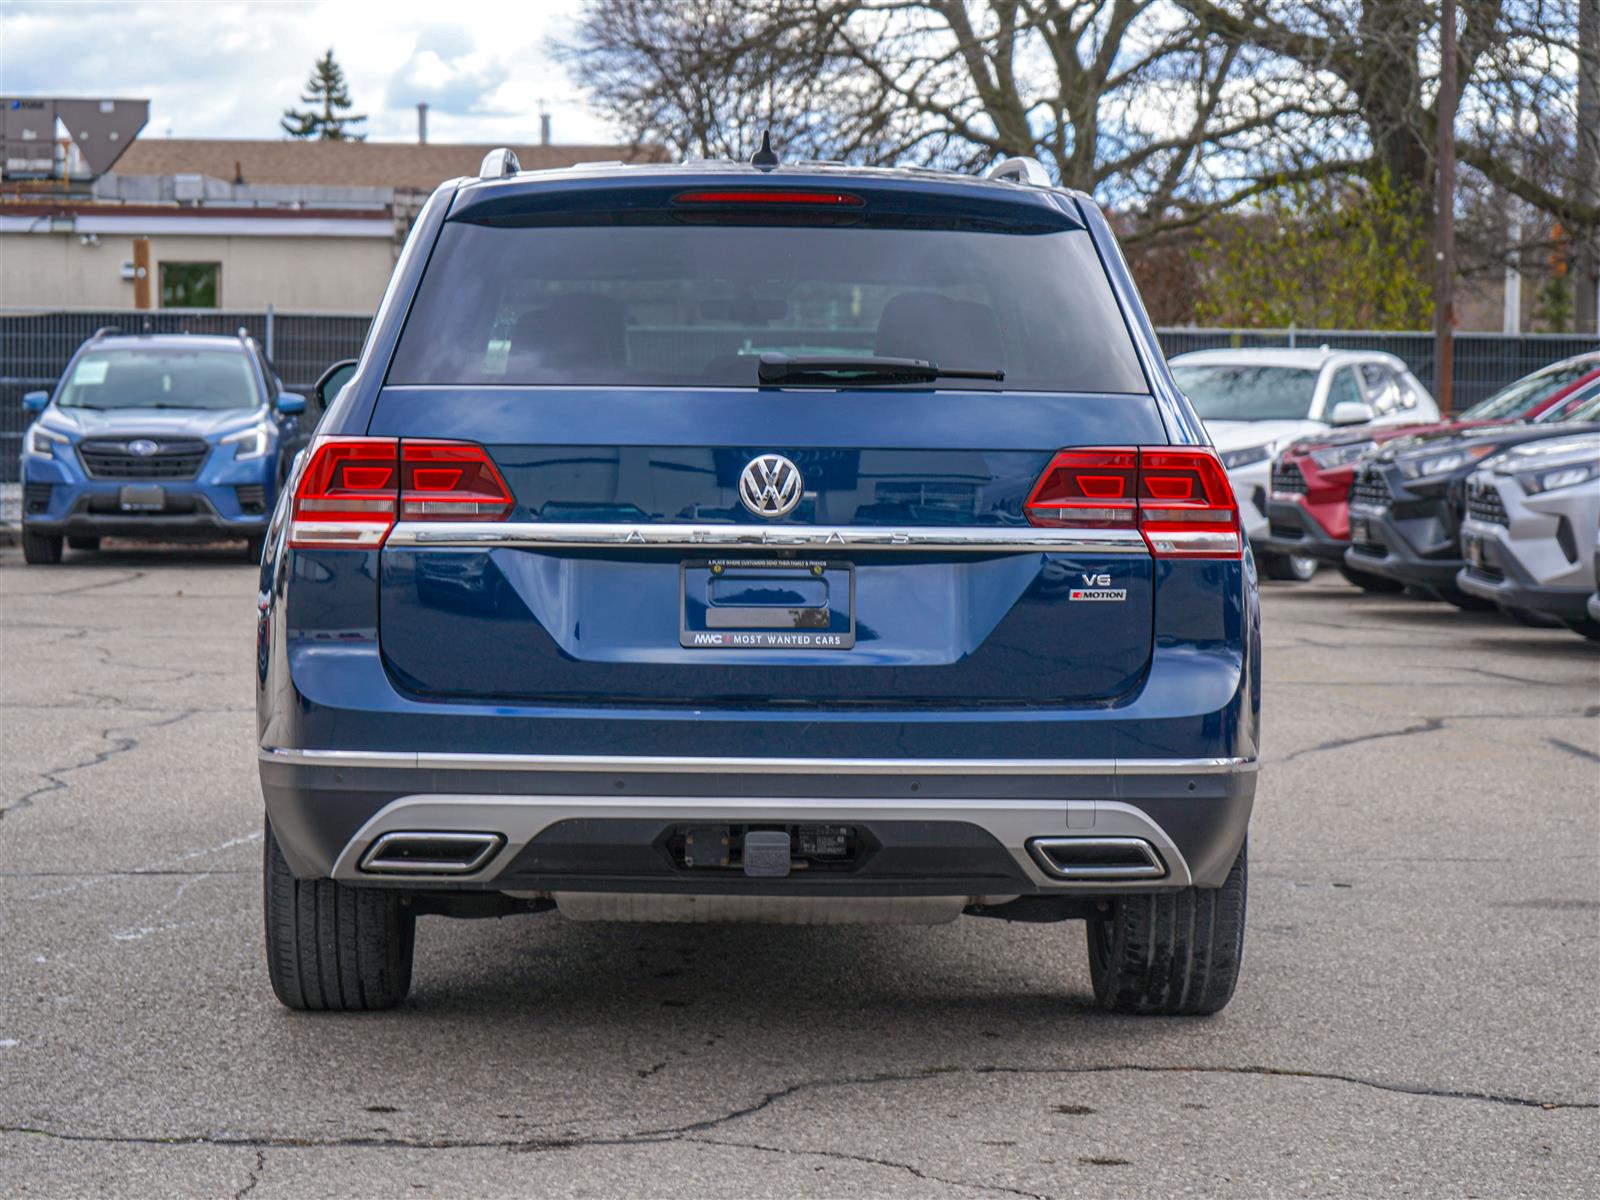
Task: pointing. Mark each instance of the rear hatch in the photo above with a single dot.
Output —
(672, 530)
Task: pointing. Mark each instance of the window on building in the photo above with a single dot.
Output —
(190, 284)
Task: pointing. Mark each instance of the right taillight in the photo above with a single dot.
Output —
(1178, 497)
(345, 497)
(1186, 505)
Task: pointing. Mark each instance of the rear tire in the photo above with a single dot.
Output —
(1297, 567)
(1171, 953)
(1368, 582)
(253, 548)
(1585, 627)
(332, 947)
(40, 549)
(83, 543)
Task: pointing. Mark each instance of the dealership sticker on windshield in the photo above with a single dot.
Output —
(90, 371)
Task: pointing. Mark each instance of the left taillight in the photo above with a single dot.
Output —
(353, 490)
(346, 494)
(1178, 497)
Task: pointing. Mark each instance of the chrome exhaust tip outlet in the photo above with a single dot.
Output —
(420, 853)
(1097, 859)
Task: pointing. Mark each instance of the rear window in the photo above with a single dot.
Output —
(694, 306)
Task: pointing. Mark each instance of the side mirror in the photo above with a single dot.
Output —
(291, 403)
(334, 378)
(35, 402)
(1351, 412)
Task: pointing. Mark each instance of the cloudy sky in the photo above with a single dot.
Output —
(217, 69)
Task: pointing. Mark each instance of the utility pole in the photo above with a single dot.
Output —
(1444, 304)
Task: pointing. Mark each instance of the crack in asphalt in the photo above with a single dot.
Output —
(1428, 725)
(869, 1160)
(1580, 751)
(255, 1176)
(86, 587)
(122, 743)
(689, 1130)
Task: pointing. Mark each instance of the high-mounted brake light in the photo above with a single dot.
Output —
(1178, 497)
(354, 489)
(770, 196)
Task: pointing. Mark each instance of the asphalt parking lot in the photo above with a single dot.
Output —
(1416, 1016)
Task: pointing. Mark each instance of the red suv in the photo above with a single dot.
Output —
(1308, 509)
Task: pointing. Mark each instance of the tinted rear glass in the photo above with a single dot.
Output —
(694, 306)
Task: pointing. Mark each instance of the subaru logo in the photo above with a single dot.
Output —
(770, 486)
(143, 447)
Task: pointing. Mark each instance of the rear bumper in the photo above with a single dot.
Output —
(940, 827)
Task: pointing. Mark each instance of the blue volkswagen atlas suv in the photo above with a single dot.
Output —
(714, 543)
(165, 436)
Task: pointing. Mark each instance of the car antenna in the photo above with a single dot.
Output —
(766, 158)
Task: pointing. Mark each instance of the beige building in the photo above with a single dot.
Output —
(210, 223)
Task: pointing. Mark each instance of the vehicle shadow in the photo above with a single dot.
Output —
(122, 555)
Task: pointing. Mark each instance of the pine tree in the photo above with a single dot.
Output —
(325, 88)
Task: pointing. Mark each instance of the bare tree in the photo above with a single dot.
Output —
(1117, 97)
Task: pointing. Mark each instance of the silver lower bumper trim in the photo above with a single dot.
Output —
(656, 764)
(520, 819)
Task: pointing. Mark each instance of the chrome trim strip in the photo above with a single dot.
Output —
(548, 535)
(759, 766)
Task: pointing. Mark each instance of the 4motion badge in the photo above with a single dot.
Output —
(1098, 587)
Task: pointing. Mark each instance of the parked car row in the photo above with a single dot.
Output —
(1339, 459)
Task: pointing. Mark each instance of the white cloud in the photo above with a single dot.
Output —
(230, 69)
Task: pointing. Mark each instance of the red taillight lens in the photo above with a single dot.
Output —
(346, 495)
(1178, 497)
(1186, 506)
(1095, 488)
(354, 489)
(450, 481)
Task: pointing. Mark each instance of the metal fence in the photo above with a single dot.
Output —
(35, 346)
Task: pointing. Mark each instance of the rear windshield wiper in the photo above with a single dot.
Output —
(867, 369)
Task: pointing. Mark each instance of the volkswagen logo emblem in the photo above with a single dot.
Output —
(770, 486)
(143, 447)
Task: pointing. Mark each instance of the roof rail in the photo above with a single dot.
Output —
(1021, 169)
(498, 163)
(105, 331)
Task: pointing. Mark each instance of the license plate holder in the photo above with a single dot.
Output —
(1360, 531)
(142, 498)
(1472, 545)
(764, 604)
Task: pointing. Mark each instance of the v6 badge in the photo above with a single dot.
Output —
(1098, 587)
